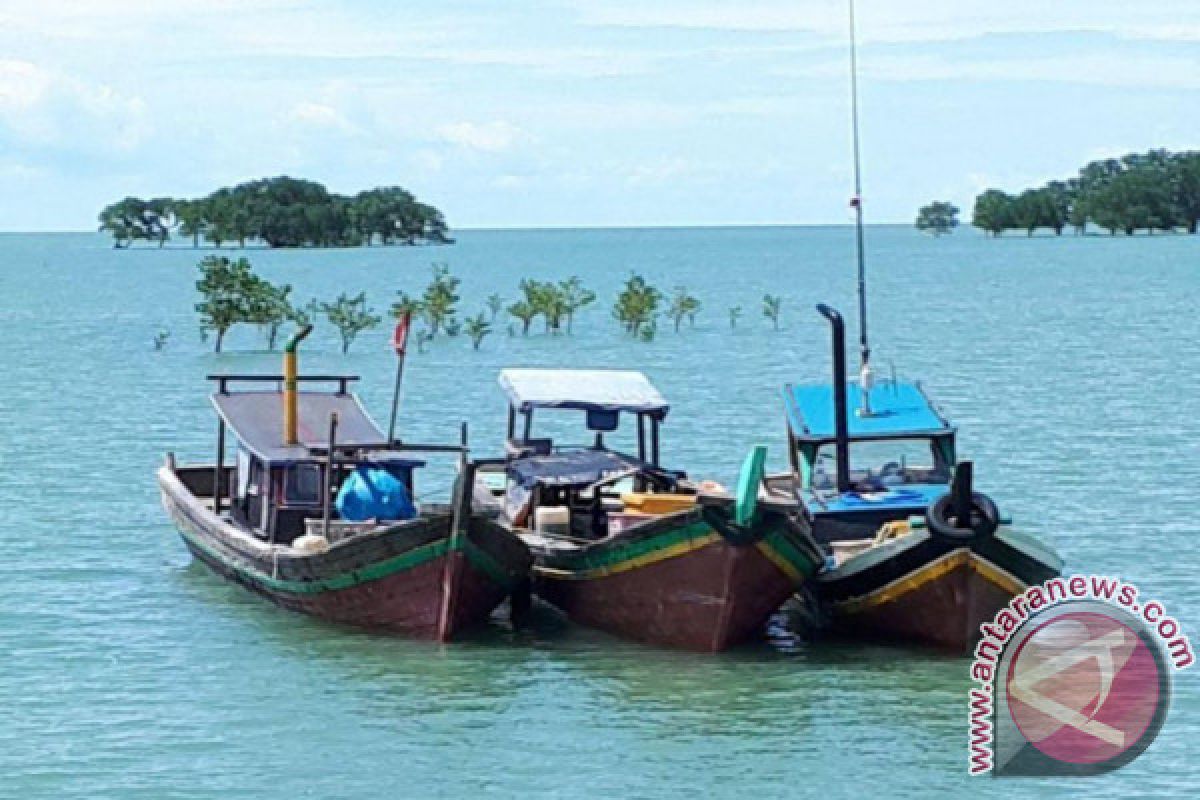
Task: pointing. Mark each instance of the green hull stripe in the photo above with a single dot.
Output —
(347, 580)
(481, 560)
(614, 558)
(782, 545)
(610, 559)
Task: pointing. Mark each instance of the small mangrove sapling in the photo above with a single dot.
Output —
(350, 316)
(477, 327)
(495, 304)
(683, 305)
(772, 305)
(226, 288)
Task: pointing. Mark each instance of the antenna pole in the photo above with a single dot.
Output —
(857, 202)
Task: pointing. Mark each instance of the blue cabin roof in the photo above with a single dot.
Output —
(898, 409)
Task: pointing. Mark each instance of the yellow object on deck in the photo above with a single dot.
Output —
(893, 530)
(650, 503)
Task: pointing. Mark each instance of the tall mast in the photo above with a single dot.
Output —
(865, 350)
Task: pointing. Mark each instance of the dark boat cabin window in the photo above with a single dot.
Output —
(302, 485)
(887, 462)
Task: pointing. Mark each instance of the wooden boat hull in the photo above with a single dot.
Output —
(679, 582)
(921, 590)
(410, 578)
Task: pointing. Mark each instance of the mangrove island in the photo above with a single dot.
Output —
(1154, 191)
(279, 212)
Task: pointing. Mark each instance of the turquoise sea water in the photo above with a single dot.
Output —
(127, 671)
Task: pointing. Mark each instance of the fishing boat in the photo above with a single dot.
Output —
(915, 554)
(622, 544)
(319, 513)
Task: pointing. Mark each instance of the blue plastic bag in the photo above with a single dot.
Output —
(371, 492)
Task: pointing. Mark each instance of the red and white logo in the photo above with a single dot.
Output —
(1073, 678)
(1084, 687)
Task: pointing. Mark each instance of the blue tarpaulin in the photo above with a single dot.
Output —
(575, 468)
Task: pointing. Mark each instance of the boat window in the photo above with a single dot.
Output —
(890, 462)
(303, 485)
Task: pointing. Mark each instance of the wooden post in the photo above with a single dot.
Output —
(219, 469)
(641, 418)
(396, 398)
(326, 497)
(459, 521)
(654, 441)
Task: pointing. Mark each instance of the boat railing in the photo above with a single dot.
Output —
(224, 379)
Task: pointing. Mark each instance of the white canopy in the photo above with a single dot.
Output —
(583, 389)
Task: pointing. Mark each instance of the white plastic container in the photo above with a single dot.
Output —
(552, 520)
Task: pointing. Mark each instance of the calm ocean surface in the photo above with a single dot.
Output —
(1069, 364)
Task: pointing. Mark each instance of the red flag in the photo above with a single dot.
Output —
(400, 335)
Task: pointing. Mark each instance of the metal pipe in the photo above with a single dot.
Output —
(399, 343)
(654, 441)
(290, 400)
(641, 418)
(858, 210)
(961, 489)
(840, 413)
(327, 494)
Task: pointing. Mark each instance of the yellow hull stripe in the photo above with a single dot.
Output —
(674, 551)
(931, 572)
(780, 562)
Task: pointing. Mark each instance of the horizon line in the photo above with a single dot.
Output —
(490, 228)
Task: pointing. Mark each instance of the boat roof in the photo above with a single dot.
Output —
(583, 389)
(256, 419)
(575, 468)
(899, 409)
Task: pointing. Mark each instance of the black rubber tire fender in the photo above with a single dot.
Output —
(985, 519)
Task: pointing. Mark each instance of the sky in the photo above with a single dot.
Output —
(539, 113)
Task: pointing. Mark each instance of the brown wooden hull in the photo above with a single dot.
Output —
(409, 578)
(708, 600)
(922, 589)
(943, 607)
(679, 583)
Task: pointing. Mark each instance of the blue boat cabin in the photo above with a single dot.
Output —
(901, 452)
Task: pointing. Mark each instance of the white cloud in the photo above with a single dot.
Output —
(659, 172)
(511, 182)
(22, 84)
(428, 160)
(488, 137)
(42, 107)
(889, 21)
(319, 115)
(1098, 69)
